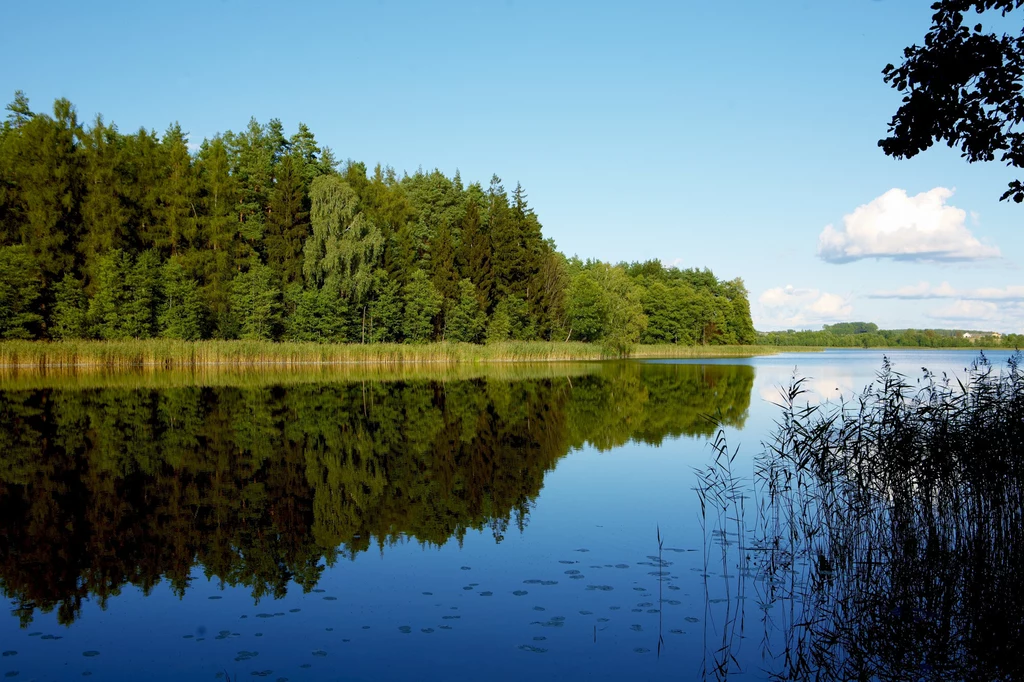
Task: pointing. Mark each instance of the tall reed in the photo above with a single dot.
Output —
(167, 353)
(890, 528)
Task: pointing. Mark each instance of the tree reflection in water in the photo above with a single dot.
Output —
(264, 482)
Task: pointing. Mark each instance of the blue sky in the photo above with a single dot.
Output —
(719, 134)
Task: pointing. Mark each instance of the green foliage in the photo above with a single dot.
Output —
(474, 255)
(604, 304)
(516, 311)
(860, 335)
(108, 307)
(499, 327)
(20, 289)
(143, 298)
(175, 223)
(288, 222)
(848, 328)
(344, 243)
(422, 305)
(256, 303)
(314, 314)
(70, 319)
(44, 163)
(111, 211)
(692, 306)
(465, 321)
(442, 264)
(385, 311)
(585, 309)
(181, 312)
(625, 319)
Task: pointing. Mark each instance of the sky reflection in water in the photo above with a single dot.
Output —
(381, 530)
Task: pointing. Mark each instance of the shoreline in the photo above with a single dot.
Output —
(18, 357)
(26, 356)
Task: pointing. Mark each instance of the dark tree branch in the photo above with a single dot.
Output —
(964, 88)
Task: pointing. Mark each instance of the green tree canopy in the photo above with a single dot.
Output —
(20, 289)
(258, 234)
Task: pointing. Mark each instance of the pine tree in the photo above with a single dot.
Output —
(177, 218)
(443, 274)
(19, 112)
(223, 251)
(70, 310)
(385, 309)
(20, 289)
(400, 256)
(287, 223)
(143, 300)
(47, 171)
(533, 285)
(315, 315)
(305, 155)
(144, 167)
(422, 305)
(256, 303)
(104, 213)
(474, 255)
(110, 302)
(181, 310)
(465, 321)
(508, 260)
(252, 153)
(500, 326)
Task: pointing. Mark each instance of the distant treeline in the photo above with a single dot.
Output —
(257, 235)
(868, 335)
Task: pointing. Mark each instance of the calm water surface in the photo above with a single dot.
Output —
(318, 528)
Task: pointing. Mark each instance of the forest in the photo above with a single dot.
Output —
(261, 235)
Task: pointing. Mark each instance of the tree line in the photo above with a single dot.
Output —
(261, 235)
(868, 335)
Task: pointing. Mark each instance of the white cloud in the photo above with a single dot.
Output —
(971, 311)
(789, 306)
(674, 263)
(1004, 316)
(823, 384)
(923, 290)
(987, 308)
(918, 228)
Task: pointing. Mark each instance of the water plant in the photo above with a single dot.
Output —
(890, 529)
(78, 355)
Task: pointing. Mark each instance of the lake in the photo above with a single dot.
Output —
(317, 526)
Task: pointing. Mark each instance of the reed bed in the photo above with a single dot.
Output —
(890, 529)
(253, 376)
(167, 353)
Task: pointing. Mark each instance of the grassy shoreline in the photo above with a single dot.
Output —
(257, 376)
(18, 356)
